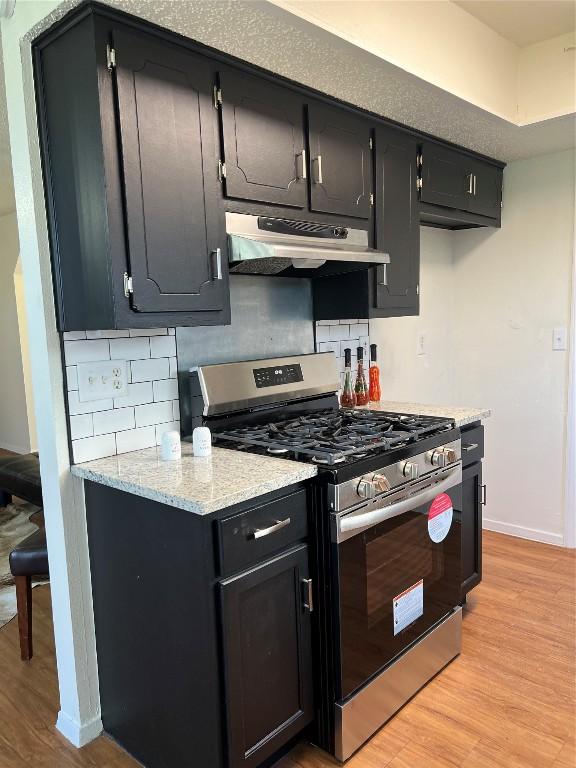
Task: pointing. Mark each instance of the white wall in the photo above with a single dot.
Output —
(490, 300)
(546, 79)
(14, 432)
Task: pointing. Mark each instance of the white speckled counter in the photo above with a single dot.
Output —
(199, 485)
(461, 416)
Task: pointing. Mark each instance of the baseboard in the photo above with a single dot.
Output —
(15, 448)
(534, 534)
(79, 734)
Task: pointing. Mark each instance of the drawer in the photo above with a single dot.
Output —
(472, 445)
(249, 537)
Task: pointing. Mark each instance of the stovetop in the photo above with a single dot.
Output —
(333, 437)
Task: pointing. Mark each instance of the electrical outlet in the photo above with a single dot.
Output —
(559, 339)
(421, 344)
(103, 380)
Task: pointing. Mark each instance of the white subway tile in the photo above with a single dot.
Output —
(176, 410)
(71, 377)
(338, 332)
(138, 394)
(150, 370)
(171, 331)
(75, 407)
(130, 349)
(135, 439)
(153, 413)
(162, 346)
(327, 322)
(81, 426)
(329, 346)
(93, 448)
(347, 322)
(173, 367)
(106, 334)
(74, 335)
(148, 331)
(87, 351)
(169, 426)
(322, 333)
(166, 389)
(360, 329)
(351, 344)
(364, 341)
(115, 420)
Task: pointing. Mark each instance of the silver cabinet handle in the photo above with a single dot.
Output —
(483, 499)
(469, 446)
(303, 174)
(309, 595)
(259, 533)
(384, 274)
(474, 185)
(218, 255)
(318, 162)
(470, 179)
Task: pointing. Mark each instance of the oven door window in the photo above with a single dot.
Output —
(395, 583)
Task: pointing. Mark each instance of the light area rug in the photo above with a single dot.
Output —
(15, 526)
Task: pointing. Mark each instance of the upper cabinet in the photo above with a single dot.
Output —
(263, 138)
(454, 180)
(340, 161)
(176, 239)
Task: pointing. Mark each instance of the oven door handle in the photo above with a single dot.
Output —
(357, 521)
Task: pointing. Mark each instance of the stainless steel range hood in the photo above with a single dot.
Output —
(260, 245)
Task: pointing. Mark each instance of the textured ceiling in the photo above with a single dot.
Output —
(524, 22)
(266, 35)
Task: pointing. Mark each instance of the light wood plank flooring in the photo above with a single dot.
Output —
(507, 702)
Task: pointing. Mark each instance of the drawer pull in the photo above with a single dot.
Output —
(483, 499)
(259, 533)
(309, 595)
(469, 446)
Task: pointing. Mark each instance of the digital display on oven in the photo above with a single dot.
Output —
(278, 374)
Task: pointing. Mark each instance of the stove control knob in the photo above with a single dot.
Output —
(410, 470)
(382, 483)
(441, 457)
(366, 488)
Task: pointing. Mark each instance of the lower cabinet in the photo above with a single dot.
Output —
(472, 500)
(266, 629)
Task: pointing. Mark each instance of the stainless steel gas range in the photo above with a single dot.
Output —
(387, 504)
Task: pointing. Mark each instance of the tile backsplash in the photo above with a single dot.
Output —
(100, 428)
(336, 335)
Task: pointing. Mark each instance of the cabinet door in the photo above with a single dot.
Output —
(487, 189)
(471, 527)
(264, 150)
(397, 223)
(340, 162)
(267, 657)
(168, 127)
(446, 177)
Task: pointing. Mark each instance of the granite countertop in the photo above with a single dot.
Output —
(199, 485)
(461, 415)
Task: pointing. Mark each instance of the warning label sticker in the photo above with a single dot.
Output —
(408, 606)
(440, 517)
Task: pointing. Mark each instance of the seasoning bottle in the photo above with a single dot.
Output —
(347, 398)
(360, 388)
(374, 376)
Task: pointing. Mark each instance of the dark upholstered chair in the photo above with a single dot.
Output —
(28, 559)
(20, 476)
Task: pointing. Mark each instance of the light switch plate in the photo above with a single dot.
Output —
(421, 344)
(559, 337)
(102, 380)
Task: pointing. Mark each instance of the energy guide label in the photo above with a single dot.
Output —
(408, 606)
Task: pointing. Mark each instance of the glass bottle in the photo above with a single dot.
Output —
(347, 398)
(374, 377)
(360, 388)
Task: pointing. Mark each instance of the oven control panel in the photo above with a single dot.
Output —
(274, 375)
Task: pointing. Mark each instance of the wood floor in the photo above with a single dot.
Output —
(507, 701)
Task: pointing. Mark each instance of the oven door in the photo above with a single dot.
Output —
(398, 573)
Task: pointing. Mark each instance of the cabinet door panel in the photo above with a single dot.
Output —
(446, 177)
(267, 657)
(263, 129)
(471, 527)
(169, 159)
(397, 221)
(487, 189)
(340, 161)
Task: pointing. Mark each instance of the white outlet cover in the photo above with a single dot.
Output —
(559, 339)
(102, 380)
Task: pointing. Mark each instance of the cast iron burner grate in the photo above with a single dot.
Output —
(331, 437)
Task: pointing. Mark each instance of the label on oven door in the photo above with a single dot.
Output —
(408, 606)
(440, 517)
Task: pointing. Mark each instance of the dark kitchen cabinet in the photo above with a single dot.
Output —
(264, 142)
(267, 656)
(129, 145)
(458, 190)
(340, 161)
(472, 492)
